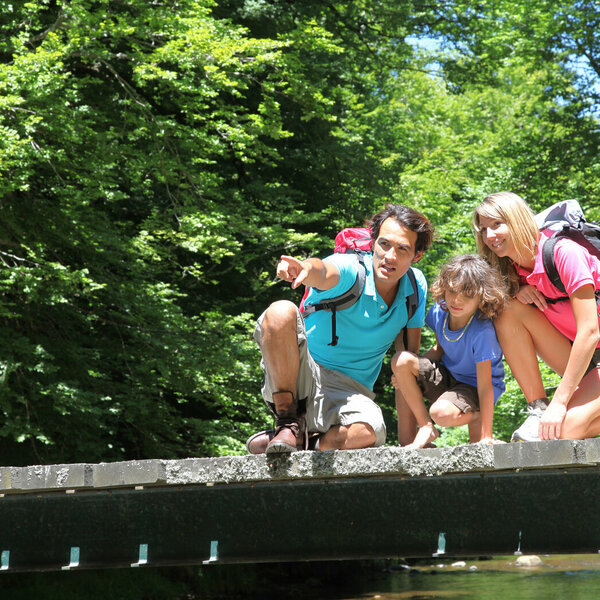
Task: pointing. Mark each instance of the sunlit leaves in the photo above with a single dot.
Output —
(156, 159)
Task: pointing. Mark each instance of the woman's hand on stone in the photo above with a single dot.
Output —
(552, 420)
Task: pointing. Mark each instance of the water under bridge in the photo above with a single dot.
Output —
(373, 503)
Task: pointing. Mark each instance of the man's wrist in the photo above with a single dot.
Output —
(307, 264)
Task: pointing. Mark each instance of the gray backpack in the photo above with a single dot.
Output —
(567, 220)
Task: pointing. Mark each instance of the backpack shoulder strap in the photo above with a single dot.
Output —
(412, 302)
(344, 300)
(347, 298)
(588, 237)
(549, 264)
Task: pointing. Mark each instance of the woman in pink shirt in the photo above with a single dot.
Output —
(564, 334)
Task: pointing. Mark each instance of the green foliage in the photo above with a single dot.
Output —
(127, 128)
(157, 158)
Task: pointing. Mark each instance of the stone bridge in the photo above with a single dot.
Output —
(374, 503)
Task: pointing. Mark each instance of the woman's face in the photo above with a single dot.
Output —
(497, 237)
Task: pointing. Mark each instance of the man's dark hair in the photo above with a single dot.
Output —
(409, 218)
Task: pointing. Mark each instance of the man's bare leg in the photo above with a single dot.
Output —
(279, 347)
(342, 437)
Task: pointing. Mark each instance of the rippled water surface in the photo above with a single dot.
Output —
(558, 577)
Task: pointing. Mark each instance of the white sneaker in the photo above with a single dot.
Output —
(530, 429)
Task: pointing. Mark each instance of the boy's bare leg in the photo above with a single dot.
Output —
(407, 424)
(446, 414)
(406, 369)
(475, 428)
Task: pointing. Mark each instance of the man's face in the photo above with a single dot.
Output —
(394, 252)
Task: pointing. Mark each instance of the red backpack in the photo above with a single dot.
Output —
(347, 240)
(355, 240)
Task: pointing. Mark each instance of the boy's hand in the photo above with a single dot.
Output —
(486, 440)
(394, 381)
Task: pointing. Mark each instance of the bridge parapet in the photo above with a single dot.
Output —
(372, 503)
(298, 466)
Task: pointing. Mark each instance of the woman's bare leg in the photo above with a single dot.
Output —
(523, 331)
(583, 412)
(524, 334)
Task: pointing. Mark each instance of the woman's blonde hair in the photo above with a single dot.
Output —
(471, 275)
(514, 211)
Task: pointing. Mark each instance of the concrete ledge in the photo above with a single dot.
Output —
(130, 473)
(370, 462)
(45, 477)
(547, 454)
(318, 465)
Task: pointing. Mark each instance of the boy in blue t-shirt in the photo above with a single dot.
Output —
(462, 374)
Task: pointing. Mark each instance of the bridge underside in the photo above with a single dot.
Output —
(460, 514)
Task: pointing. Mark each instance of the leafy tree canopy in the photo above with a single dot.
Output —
(157, 157)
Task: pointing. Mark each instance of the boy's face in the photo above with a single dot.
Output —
(461, 306)
(394, 252)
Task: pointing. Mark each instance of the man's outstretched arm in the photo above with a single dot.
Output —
(312, 272)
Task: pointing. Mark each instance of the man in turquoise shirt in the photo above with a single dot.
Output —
(336, 382)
